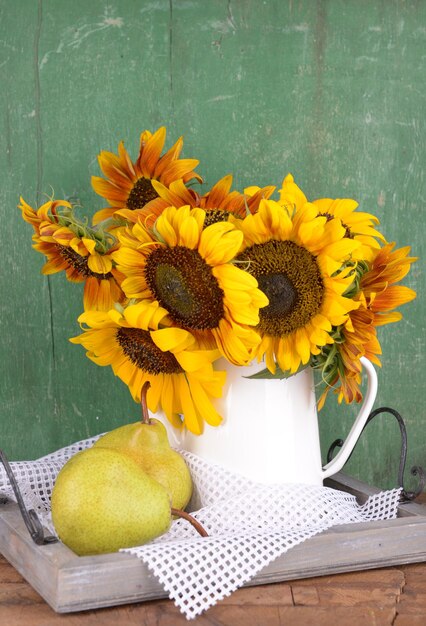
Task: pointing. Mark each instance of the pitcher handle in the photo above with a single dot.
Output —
(340, 459)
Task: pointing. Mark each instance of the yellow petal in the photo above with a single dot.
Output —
(189, 233)
(99, 264)
(191, 420)
(193, 360)
(232, 277)
(126, 257)
(136, 287)
(203, 403)
(303, 345)
(144, 315)
(89, 244)
(291, 194)
(219, 243)
(172, 339)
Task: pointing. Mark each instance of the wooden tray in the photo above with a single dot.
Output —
(71, 583)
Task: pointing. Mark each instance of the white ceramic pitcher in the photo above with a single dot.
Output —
(270, 428)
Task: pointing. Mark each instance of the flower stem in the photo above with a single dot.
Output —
(145, 415)
(198, 527)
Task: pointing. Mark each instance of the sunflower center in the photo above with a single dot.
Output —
(290, 277)
(328, 216)
(281, 293)
(138, 346)
(79, 263)
(215, 215)
(141, 193)
(183, 284)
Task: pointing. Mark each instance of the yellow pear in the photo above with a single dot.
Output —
(148, 445)
(102, 501)
(146, 442)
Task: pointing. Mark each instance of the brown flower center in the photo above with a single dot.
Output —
(215, 215)
(141, 193)
(138, 346)
(183, 283)
(79, 263)
(289, 276)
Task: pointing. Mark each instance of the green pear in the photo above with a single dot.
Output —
(146, 442)
(102, 501)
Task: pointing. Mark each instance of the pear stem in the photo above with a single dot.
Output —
(145, 414)
(198, 527)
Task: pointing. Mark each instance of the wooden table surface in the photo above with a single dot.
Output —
(395, 595)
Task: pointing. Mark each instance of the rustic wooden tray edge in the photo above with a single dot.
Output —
(70, 583)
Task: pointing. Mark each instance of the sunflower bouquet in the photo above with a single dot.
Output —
(176, 280)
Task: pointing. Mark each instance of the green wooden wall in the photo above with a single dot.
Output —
(332, 91)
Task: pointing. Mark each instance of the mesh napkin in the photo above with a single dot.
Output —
(249, 524)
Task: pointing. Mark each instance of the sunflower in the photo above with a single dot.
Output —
(378, 285)
(77, 255)
(220, 203)
(378, 296)
(298, 265)
(140, 345)
(128, 185)
(187, 268)
(340, 362)
(358, 225)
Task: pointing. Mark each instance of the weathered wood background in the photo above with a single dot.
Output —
(332, 91)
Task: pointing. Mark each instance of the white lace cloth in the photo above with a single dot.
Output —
(249, 525)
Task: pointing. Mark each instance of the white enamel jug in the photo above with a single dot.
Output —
(270, 428)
